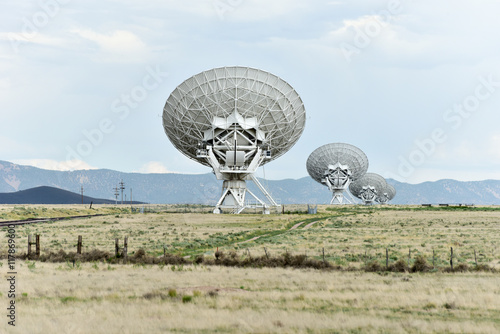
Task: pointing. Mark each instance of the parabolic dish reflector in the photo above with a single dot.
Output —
(391, 191)
(262, 104)
(368, 180)
(331, 154)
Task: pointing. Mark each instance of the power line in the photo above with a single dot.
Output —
(122, 187)
(116, 194)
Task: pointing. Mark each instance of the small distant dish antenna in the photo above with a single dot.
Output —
(336, 165)
(387, 194)
(368, 188)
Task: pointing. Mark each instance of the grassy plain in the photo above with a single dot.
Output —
(107, 298)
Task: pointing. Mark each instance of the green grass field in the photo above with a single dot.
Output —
(99, 297)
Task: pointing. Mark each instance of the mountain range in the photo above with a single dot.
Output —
(172, 188)
(50, 195)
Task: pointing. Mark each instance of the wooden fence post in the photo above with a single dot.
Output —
(265, 250)
(451, 259)
(323, 254)
(125, 246)
(409, 256)
(79, 245)
(29, 245)
(117, 248)
(433, 258)
(387, 258)
(475, 257)
(38, 245)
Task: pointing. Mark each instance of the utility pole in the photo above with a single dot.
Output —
(130, 196)
(116, 194)
(81, 189)
(122, 187)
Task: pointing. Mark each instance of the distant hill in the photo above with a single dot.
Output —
(173, 188)
(49, 195)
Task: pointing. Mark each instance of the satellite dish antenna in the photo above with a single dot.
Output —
(234, 119)
(387, 194)
(336, 165)
(368, 188)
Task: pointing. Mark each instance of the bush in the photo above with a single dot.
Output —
(484, 267)
(420, 265)
(373, 266)
(154, 294)
(400, 266)
(462, 267)
(140, 254)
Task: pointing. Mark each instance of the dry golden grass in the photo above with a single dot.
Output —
(351, 236)
(101, 298)
(18, 212)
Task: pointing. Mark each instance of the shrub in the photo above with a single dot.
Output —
(420, 265)
(484, 267)
(399, 266)
(450, 306)
(187, 299)
(462, 267)
(154, 294)
(219, 255)
(140, 254)
(373, 266)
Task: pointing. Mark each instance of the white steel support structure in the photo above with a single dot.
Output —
(368, 195)
(240, 166)
(337, 178)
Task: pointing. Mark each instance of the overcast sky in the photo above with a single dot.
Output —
(415, 84)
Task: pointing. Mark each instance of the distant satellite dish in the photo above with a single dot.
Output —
(368, 188)
(387, 194)
(234, 119)
(336, 165)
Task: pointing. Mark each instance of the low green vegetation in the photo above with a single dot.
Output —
(346, 237)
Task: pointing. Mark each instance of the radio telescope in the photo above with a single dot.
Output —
(387, 194)
(234, 119)
(368, 187)
(336, 165)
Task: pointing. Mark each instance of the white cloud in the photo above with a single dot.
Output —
(55, 165)
(154, 167)
(17, 39)
(118, 46)
(259, 10)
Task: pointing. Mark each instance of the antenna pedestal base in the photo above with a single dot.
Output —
(338, 197)
(233, 199)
